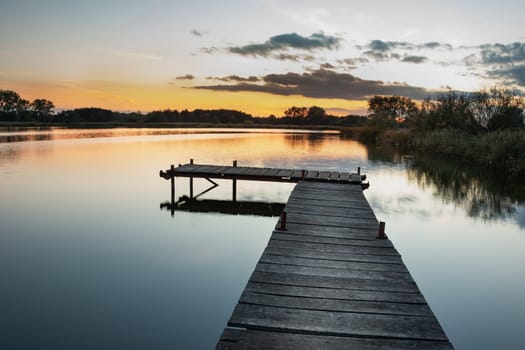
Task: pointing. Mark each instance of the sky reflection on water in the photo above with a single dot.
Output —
(89, 260)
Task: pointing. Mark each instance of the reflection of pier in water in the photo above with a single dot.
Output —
(329, 277)
(185, 203)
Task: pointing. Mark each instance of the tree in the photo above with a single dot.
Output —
(42, 108)
(391, 110)
(296, 112)
(496, 109)
(315, 115)
(10, 101)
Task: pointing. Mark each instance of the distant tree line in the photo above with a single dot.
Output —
(15, 109)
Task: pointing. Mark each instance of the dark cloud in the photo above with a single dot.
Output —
(293, 57)
(512, 74)
(287, 41)
(415, 59)
(197, 32)
(380, 51)
(287, 57)
(323, 83)
(327, 66)
(434, 45)
(384, 46)
(376, 55)
(501, 53)
(235, 78)
(378, 45)
(185, 77)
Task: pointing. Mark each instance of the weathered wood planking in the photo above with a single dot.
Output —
(326, 282)
(240, 339)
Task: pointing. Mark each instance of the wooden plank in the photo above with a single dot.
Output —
(262, 172)
(335, 293)
(330, 211)
(334, 194)
(349, 284)
(332, 221)
(307, 204)
(342, 219)
(331, 186)
(333, 248)
(336, 323)
(311, 174)
(272, 172)
(242, 339)
(334, 176)
(313, 238)
(354, 232)
(327, 200)
(344, 177)
(331, 272)
(334, 264)
(301, 253)
(284, 173)
(297, 174)
(323, 175)
(327, 304)
(317, 231)
(233, 171)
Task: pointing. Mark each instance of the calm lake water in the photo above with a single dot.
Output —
(89, 260)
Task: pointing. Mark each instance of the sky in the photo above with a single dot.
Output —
(258, 56)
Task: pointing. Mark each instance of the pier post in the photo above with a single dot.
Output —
(381, 234)
(172, 175)
(358, 170)
(234, 185)
(282, 227)
(303, 174)
(191, 181)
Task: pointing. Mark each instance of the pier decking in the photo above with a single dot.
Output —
(325, 280)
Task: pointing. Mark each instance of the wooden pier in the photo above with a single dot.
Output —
(329, 277)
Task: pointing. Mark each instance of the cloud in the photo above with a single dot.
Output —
(434, 45)
(185, 77)
(376, 55)
(323, 83)
(197, 32)
(501, 53)
(381, 51)
(384, 46)
(513, 74)
(235, 78)
(288, 41)
(327, 66)
(210, 50)
(415, 59)
(352, 63)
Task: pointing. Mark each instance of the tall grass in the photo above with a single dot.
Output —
(502, 150)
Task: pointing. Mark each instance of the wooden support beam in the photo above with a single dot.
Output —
(172, 168)
(234, 185)
(381, 234)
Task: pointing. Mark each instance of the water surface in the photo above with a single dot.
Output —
(89, 259)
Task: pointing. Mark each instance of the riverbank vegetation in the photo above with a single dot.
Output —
(485, 128)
